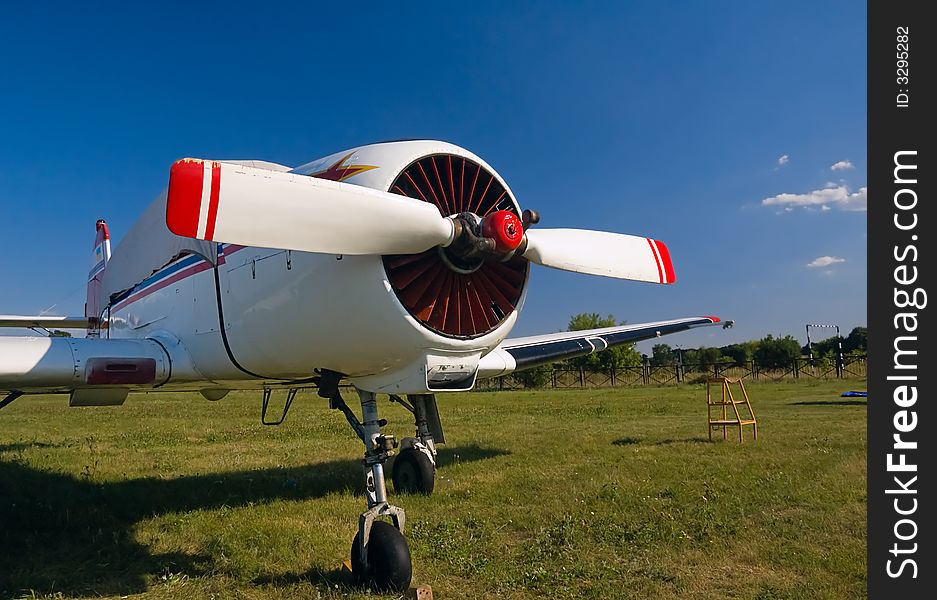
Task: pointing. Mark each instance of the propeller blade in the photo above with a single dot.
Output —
(243, 205)
(601, 253)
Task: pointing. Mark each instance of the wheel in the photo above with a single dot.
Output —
(413, 473)
(389, 566)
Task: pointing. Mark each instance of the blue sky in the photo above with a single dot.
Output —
(661, 119)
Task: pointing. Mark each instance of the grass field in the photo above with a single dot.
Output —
(541, 494)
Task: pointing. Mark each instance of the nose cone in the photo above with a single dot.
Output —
(505, 229)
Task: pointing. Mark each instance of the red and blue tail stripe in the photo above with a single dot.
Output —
(175, 271)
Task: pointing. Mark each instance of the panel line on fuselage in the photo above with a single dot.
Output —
(179, 269)
(221, 326)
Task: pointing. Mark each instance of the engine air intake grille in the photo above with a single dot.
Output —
(447, 302)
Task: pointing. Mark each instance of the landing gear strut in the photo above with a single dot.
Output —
(380, 557)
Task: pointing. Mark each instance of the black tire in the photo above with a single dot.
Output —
(389, 567)
(413, 473)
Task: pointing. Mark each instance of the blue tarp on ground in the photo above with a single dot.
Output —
(854, 395)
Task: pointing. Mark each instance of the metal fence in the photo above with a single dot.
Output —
(565, 377)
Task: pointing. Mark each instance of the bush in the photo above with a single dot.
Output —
(536, 377)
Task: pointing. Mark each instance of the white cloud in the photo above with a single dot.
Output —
(843, 165)
(782, 160)
(825, 261)
(837, 196)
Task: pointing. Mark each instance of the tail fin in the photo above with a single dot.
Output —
(102, 253)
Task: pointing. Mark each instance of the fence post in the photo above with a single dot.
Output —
(501, 383)
(613, 376)
(553, 377)
(676, 372)
(582, 377)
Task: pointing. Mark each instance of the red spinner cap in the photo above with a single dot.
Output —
(504, 228)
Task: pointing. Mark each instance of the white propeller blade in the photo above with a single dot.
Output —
(601, 253)
(257, 207)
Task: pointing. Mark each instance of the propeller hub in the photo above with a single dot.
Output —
(505, 229)
(475, 240)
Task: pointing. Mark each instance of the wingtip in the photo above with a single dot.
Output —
(726, 324)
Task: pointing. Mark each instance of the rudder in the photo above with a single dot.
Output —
(101, 254)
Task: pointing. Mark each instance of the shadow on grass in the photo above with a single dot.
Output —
(453, 456)
(21, 446)
(831, 403)
(628, 441)
(75, 536)
(334, 578)
(692, 440)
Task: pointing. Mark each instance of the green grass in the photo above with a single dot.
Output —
(540, 494)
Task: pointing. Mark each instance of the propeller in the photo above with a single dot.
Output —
(223, 202)
(601, 253)
(244, 205)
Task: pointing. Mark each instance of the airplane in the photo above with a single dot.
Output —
(399, 268)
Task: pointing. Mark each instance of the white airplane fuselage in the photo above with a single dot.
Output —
(264, 315)
(287, 313)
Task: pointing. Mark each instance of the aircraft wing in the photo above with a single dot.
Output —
(93, 371)
(527, 352)
(43, 321)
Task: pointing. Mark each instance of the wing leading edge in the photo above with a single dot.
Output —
(44, 321)
(527, 352)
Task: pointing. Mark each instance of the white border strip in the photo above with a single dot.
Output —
(206, 200)
(660, 262)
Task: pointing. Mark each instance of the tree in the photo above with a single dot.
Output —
(827, 347)
(662, 355)
(857, 341)
(708, 356)
(620, 356)
(584, 321)
(740, 354)
(774, 352)
(690, 357)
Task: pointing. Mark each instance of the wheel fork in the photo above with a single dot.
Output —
(378, 448)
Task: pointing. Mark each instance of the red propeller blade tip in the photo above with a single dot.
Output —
(665, 264)
(192, 201)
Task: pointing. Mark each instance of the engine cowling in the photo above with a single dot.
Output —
(446, 294)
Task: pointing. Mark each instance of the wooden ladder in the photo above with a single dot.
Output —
(725, 402)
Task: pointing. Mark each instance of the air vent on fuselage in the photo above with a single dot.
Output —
(448, 302)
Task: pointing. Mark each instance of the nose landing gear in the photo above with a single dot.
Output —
(385, 563)
(380, 556)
